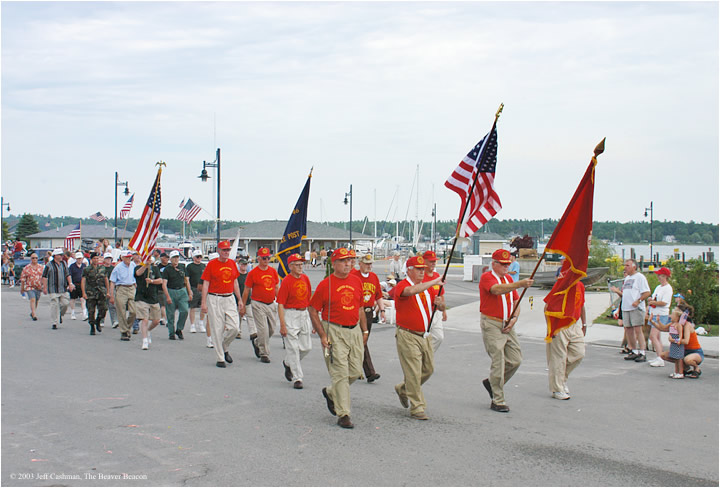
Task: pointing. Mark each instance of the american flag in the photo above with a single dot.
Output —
(189, 211)
(484, 203)
(182, 203)
(126, 208)
(98, 216)
(145, 236)
(70, 239)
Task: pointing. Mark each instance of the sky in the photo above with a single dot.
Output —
(370, 94)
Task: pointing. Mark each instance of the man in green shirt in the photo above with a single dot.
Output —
(194, 272)
(176, 288)
(147, 306)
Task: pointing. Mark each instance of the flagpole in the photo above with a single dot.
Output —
(127, 217)
(464, 212)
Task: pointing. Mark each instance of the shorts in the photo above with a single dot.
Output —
(145, 310)
(696, 351)
(196, 299)
(33, 294)
(633, 318)
(663, 319)
(77, 292)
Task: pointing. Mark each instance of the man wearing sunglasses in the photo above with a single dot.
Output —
(264, 282)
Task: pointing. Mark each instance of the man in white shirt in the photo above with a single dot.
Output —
(659, 309)
(634, 293)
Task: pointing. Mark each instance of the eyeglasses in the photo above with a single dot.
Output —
(222, 250)
(264, 257)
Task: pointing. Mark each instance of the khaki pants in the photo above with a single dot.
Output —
(346, 365)
(504, 352)
(437, 333)
(223, 321)
(297, 343)
(125, 300)
(416, 359)
(564, 354)
(58, 306)
(264, 315)
(249, 320)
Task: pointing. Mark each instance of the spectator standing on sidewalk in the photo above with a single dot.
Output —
(659, 309)
(634, 292)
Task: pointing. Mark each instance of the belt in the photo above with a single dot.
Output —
(420, 334)
(297, 309)
(124, 285)
(221, 294)
(266, 303)
(343, 326)
(181, 288)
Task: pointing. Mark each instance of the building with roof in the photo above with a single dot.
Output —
(53, 238)
(268, 233)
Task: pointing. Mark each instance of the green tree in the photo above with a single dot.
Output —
(25, 227)
(600, 252)
(698, 282)
(5, 232)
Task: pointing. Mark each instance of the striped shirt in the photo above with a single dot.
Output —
(56, 274)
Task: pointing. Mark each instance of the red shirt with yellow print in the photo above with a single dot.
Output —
(413, 312)
(263, 283)
(370, 287)
(431, 276)
(339, 299)
(295, 292)
(221, 276)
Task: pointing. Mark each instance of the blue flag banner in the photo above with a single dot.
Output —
(295, 231)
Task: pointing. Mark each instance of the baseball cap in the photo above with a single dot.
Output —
(174, 254)
(163, 254)
(263, 252)
(678, 295)
(57, 251)
(416, 262)
(430, 256)
(367, 259)
(295, 257)
(341, 253)
(224, 245)
(502, 256)
(197, 252)
(126, 253)
(663, 271)
(107, 255)
(79, 255)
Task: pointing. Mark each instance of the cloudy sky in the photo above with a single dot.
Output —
(365, 93)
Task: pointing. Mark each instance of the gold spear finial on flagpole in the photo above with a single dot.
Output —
(600, 148)
(499, 110)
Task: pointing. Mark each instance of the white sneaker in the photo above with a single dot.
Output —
(209, 342)
(560, 395)
(192, 328)
(72, 316)
(85, 314)
(145, 344)
(657, 362)
(202, 326)
(566, 390)
(149, 339)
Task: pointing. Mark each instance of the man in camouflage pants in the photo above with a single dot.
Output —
(94, 290)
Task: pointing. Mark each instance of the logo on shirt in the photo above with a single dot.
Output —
(347, 297)
(267, 282)
(226, 274)
(301, 290)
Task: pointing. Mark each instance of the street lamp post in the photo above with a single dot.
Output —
(346, 202)
(126, 192)
(651, 229)
(3, 204)
(204, 177)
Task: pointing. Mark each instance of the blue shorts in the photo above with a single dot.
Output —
(663, 319)
(696, 351)
(33, 294)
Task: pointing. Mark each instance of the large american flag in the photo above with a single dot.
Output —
(127, 207)
(483, 203)
(70, 239)
(145, 236)
(189, 211)
(98, 216)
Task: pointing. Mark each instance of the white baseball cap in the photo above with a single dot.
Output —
(57, 251)
(197, 252)
(126, 252)
(174, 254)
(107, 255)
(79, 255)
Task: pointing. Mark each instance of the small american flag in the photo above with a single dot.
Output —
(145, 236)
(127, 207)
(182, 203)
(483, 203)
(189, 211)
(70, 239)
(98, 216)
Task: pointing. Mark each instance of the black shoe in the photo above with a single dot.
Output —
(641, 358)
(330, 403)
(298, 385)
(61, 319)
(92, 329)
(288, 372)
(631, 356)
(486, 384)
(373, 377)
(264, 359)
(33, 317)
(220, 364)
(172, 337)
(179, 335)
(125, 336)
(253, 341)
(228, 358)
(345, 423)
(116, 325)
(499, 408)
(54, 326)
(99, 328)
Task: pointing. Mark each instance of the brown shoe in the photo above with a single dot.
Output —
(420, 416)
(298, 385)
(403, 398)
(499, 408)
(486, 384)
(330, 403)
(345, 423)
(264, 359)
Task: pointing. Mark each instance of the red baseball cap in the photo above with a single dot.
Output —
(430, 256)
(342, 253)
(224, 245)
(295, 257)
(663, 271)
(502, 256)
(416, 262)
(263, 252)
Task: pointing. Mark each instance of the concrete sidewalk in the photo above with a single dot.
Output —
(532, 323)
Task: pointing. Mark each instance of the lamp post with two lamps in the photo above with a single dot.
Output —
(204, 177)
(126, 192)
(346, 202)
(651, 230)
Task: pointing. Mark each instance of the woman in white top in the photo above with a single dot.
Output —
(659, 309)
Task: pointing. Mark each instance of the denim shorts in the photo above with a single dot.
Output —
(696, 351)
(33, 294)
(663, 319)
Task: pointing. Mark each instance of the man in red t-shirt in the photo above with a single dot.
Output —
(339, 299)
(437, 333)
(372, 296)
(264, 282)
(293, 300)
(414, 300)
(219, 285)
(497, 300)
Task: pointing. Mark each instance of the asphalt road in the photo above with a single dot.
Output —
(78, 409)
